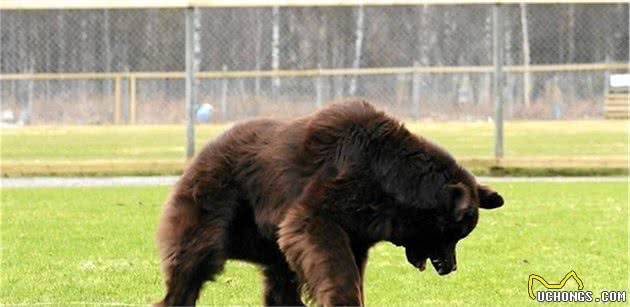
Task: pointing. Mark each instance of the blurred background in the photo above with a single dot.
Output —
(423, 62)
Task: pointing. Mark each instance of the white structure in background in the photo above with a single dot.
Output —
(620, 80)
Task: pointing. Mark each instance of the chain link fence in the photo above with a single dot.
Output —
(425, 61)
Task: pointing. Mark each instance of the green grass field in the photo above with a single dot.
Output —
(160, 149)
(97, 245)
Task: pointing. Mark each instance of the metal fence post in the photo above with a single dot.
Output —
(224, 93)
(132, 100)
(117, 100)
(497, 43)
(318, 87)
(415, 92)
(606, 84)
(192, 46)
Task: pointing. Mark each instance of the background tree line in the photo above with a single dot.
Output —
(310, 38)
(307, 38)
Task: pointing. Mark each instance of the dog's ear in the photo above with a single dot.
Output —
(458, 200)
(488, 198)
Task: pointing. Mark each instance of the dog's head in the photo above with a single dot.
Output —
(457, 216)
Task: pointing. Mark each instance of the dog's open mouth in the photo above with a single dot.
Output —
(416, 259)
(442, 265)
(422, 264)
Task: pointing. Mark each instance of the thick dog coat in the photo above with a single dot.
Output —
(306, 199)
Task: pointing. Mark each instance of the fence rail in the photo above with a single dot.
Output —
(133, 77)
(319, 72)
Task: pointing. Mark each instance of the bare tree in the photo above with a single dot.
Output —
(322, 58)
(571, 52)
(259, 30)
(358, 46)
(275, 46)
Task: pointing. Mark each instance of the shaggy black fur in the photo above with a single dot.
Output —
(307, 199)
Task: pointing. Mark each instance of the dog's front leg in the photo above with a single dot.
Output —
(319, 251)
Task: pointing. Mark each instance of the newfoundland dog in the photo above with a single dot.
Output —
(306, 200)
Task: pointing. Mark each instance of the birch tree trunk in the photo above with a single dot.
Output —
(61, 87)
(108, 52)
(571, 38)
(275, 47)
(259, 31)
(322, 61)
(82, 62)
(424, 39)
(358, 46)
(571, 52)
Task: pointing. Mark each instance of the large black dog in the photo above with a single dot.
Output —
(307, 199)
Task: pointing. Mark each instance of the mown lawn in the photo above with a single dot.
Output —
(540, 139)
(531, 148)
(97, 245)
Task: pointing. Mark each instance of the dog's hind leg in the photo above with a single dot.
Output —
(192, 247)
(282, 287)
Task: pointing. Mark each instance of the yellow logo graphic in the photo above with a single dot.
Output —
(547, 285)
